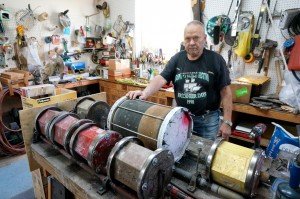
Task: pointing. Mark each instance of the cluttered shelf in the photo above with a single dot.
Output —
(273, 114)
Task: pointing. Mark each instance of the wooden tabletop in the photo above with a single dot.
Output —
(85, 185)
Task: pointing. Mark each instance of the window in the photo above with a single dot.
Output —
(160, 24)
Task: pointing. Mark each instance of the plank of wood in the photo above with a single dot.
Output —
(12, 75)
(78, 83)
(273, 114)
(27, 119)
(24, 72)
(38, 185)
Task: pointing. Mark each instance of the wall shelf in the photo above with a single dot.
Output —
(273, 114)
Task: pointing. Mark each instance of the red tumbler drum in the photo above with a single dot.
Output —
(58, 129)
(93, 144)
(42, 120)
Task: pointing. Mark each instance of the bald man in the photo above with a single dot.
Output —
(201, 82)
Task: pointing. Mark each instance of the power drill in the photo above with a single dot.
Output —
(256, 133)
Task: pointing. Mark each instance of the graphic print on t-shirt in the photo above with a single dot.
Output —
(194, 84)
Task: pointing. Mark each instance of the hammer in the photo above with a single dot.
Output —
(267, 46)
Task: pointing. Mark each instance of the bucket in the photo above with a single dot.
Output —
(235, 167)
(92, 144)
(44, 118)
(144, 171)
(156, 125)
(97, 111)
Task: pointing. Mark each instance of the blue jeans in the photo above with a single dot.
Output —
(207, 125)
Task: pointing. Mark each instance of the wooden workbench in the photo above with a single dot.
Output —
(84, 185)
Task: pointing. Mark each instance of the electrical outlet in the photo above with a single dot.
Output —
(287, 16)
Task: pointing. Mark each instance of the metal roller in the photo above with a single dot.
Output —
(235, 167)
(97, 111)
(91, 144)
(44, 118)
(146, 172)
(60, 125)
(156, 125)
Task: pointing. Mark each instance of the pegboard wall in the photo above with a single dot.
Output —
(78, 10)
(221, 7)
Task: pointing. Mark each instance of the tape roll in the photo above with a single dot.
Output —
(249, 58)
(43, 16)
(48, 40)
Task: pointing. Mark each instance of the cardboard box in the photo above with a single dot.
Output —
(241, 91)
(38, 90)
(61, 95)
(115, 64)
(119, 74)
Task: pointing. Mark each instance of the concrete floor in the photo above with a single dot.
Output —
(15, 178)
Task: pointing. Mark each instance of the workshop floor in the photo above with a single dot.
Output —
(16, 181)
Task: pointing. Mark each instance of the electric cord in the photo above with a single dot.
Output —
(6, 147)
(229, 8)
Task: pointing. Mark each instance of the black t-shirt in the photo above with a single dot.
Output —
(197, 83)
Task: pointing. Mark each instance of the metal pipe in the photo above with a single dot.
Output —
(176, 193)
(222, 191)
(133, 131)
(124, 192)
(142, 113)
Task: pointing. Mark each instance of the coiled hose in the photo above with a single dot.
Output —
(5, 147)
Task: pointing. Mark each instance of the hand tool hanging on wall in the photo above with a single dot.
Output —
(25, 18)
(265, 61)
(198, 8)
(222, 24)
(217, 31)
(256, 36)
(279, 78)
(229, 58)
(267, 16)
(2, 29)
(236, 18)
(242, 44)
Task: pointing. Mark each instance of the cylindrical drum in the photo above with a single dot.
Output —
(44, 118)
(93, 145)
(235, 167)
(62, 128)
(97, 111)
(156, 125)
(145, 171)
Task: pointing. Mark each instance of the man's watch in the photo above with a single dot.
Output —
(228, 123)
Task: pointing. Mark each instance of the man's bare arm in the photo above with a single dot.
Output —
(152, 88)
(226, 96)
